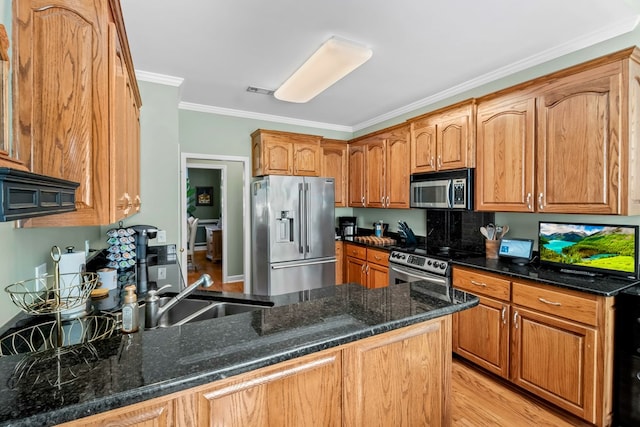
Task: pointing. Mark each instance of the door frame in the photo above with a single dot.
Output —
(195, 160)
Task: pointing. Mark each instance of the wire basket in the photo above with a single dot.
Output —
(54, 334)
(47, 295)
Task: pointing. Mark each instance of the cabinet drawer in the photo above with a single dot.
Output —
(562, 303)
(356, 251)
(482, 284)
(378, 257)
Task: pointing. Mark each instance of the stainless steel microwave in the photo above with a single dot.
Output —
(443, 190)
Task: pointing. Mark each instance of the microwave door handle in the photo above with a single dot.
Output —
(450, 193)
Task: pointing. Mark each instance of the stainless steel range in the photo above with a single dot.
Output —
(412, 265)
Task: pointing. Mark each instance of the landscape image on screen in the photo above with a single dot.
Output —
(608, 247)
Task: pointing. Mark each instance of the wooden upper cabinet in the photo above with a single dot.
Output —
(505, 142)
(579, 154)
(69, 81)
(386, 169)
(335, 164)
(357, 175)
(397, 168)
(444, 139)
(375, 176)
(564, 143)
(285, 153)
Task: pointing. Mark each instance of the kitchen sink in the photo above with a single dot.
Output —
(191, 310)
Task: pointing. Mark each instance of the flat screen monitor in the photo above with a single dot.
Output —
(590, 248)
(518, 250)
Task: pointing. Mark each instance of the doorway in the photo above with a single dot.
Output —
(234, 212)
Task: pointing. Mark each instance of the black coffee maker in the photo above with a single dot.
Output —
(347, 226)
(142, 236)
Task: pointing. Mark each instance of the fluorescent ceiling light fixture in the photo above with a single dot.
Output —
(332, 61)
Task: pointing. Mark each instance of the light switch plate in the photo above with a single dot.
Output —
(162, 236)
(162, 273)
(41, 271)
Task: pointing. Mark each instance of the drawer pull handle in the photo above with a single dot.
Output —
(549, 302)
(473, 282)
(377, 257)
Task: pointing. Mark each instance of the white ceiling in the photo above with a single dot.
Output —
(423, 50)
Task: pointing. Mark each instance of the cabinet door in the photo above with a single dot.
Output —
(62, 89)
(155, 413)
(505, 161)
(377, 275)
(301, 392)
(481, 335)
(356, 176)
(397, 165)
(277, 156)
(399, 378)
(423, 146)
(578, 143)
(376, 174)
(335, 165)
(355, 269)
(556, 360)
(306, 159)
(452, 137)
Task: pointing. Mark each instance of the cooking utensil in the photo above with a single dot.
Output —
(483, 231)
(491, 231)
(505, 230)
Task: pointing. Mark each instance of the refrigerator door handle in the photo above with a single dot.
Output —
(301, 218)
(307, 208)
(302, 264)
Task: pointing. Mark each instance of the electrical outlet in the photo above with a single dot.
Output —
(162, 273)
(41, 271)
(161, 236)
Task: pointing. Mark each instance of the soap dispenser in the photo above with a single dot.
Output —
(130, 310)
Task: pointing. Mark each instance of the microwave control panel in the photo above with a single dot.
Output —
(459, 193)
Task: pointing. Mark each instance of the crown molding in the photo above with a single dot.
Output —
(260, 116)
(605, 33)
(162, 79)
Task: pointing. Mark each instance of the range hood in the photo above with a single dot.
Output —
(26, 195)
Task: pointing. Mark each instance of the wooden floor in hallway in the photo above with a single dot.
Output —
(213, 269)
(481, 400)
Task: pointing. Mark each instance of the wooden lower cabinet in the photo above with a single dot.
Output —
(299, 392)
(555, 359)
(158, 412)
(553, 342)
(366, 266)
(399, 378)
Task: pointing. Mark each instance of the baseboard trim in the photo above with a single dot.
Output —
(238, 278)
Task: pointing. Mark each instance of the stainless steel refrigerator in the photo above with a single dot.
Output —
(293, 234)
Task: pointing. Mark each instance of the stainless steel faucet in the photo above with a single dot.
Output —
(153, 312)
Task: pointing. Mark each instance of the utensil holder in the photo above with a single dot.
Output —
(491, 248)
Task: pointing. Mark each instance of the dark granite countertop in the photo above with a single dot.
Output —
(45, 388)
(599, 285)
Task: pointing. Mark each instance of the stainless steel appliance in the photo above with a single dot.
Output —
(446, 190)
(293, 234)
(347, 226)
(412, 265)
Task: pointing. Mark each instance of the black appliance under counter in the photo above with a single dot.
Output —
(128, 369)
(599, 285)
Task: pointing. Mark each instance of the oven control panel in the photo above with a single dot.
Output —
(419, 262)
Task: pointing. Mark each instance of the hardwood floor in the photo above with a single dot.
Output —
(213, 269)
(481, 400)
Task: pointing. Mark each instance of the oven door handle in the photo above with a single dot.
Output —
(438, 280)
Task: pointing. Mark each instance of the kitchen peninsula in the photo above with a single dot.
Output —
(319, 353)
